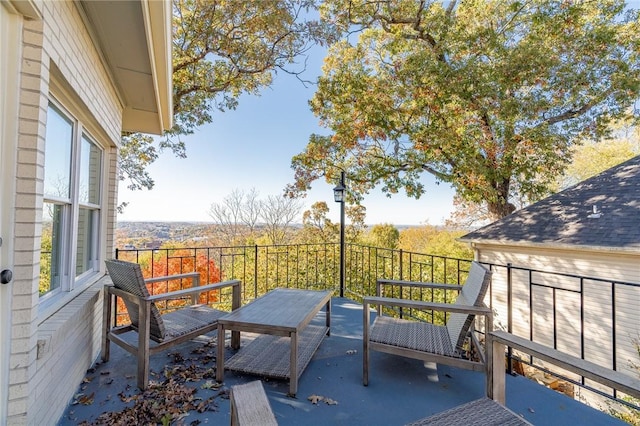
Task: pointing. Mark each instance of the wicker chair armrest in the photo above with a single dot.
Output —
(194, 275)
(418, 284)
(416, 304)
(111, 289)
(178, 294)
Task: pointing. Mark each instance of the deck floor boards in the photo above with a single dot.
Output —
(400, 390)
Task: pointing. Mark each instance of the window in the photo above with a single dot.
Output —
(72, 204)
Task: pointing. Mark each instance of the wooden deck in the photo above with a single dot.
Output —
(401, 390)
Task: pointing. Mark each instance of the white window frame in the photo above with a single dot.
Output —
(69, 281)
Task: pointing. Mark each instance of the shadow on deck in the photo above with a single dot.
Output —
(400, 390)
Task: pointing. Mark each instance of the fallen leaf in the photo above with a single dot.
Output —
(210, 384)
(315, 399)
(83, 399)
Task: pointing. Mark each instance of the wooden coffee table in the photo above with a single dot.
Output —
(281, 312)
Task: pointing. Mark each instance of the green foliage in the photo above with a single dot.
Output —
(356, 227)
(316, 226)
(587, 159)
(592, 158)
(45, 260)
(383, 235)
(486, 95)
(436, 241)
(625, 414)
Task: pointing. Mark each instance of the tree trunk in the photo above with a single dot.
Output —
(501, 207)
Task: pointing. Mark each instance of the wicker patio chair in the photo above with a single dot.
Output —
(166, 330)
(443, 344)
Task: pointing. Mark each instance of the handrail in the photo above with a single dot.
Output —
(608, 377)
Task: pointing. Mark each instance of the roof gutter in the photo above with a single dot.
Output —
(157, 17)
(551, 246)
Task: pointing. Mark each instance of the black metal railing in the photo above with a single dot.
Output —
(589, 317)
(308, 266)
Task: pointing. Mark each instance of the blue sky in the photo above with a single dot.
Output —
(252, 147)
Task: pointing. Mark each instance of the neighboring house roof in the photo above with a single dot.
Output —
(600, 212)
(134, 37)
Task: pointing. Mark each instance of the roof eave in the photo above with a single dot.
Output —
(137, 55)
(551, 245)
(157, 25)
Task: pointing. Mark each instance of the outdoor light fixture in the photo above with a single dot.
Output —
(338, 192)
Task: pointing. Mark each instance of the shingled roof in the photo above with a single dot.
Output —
(602, 212)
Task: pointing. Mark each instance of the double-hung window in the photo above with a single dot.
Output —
(71, 211)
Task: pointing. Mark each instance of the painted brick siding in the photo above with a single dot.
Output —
(49, 355)
(67, 352)
(27, 223)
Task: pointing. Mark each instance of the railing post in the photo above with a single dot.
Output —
(509, 317)
(255, 273)
(342, 263)
(117, 251)
(400, 262)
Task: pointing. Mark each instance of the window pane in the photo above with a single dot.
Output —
(90, 161)
(57, 162)
(50, 248)
(85, 248)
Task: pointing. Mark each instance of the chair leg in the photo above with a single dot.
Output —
(106, 324)
(143, 369)
(365, 344)
(144, 325)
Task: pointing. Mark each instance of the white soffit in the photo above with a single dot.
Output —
(26, 8)
(137, 50)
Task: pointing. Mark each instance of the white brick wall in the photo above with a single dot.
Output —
(22, 366)
(65, 340)
(49, 356)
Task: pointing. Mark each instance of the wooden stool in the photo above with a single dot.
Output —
(250, 406)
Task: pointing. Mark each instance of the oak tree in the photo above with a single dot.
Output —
(486, 95)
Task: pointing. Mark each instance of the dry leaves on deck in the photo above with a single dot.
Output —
(161, 403)
(167, 402)
(83, 399)
(315, 399)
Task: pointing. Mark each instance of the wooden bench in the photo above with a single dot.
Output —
(250, 406)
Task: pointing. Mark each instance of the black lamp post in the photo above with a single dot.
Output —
(339, 196)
